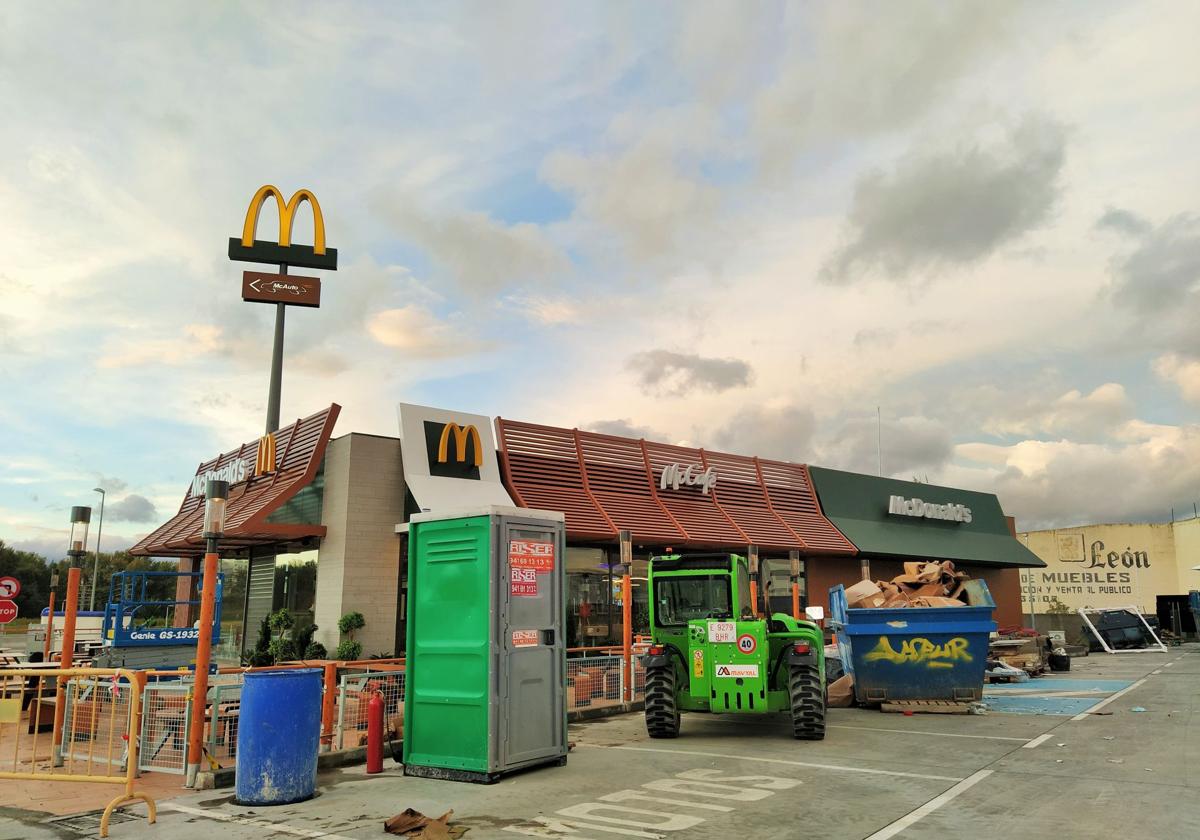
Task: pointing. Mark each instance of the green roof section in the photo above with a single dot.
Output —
(859, 506)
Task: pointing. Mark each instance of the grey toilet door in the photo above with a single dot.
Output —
(532, 716)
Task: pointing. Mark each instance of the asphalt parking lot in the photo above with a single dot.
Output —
(1112, 772)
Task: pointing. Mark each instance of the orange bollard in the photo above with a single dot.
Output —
(375, 734)
(327, 705)
(49, 631)
(70, 608)
(627, 635)
(203, 657)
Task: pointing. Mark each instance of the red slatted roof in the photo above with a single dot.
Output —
(299, 449)
(605, 483)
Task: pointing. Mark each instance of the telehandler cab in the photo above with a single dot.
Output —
(711, 652)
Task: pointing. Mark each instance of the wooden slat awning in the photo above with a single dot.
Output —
(299, 449)
(605, 484)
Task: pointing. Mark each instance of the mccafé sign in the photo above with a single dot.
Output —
(677, 475)
(949, 512)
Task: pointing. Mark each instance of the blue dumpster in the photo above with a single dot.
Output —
(914, 653)
(279, 733)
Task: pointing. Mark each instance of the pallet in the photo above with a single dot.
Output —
(927, 707)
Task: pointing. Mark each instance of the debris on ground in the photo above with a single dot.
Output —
(413, 824)
(1000, 671)
(978, 709)
(1138, 709)
(840, 693)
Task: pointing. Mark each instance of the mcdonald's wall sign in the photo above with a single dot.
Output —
(248, 248)
(455, 451)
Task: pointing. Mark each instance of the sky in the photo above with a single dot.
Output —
(967, 232)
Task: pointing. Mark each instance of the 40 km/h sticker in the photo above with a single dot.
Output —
(747, 644)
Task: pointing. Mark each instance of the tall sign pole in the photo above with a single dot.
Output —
(281, 289)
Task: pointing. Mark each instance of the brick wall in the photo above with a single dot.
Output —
(359, 564)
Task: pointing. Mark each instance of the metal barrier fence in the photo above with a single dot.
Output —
(353, 698)
(98, 743)
(167, 717)
(595, 682)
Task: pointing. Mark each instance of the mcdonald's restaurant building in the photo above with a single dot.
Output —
(317, 524)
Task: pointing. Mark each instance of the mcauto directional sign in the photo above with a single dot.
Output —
(288, 289)
(8, 610)
(10, 587)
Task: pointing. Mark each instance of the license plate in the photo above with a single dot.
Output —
(722, 631)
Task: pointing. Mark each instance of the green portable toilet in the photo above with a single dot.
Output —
(485, 682)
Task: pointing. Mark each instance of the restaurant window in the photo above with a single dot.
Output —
(296, 585)
(777, 572)
(233, 601)
(305, 507)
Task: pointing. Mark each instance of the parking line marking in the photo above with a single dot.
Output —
(1038, 741)
(923, 732)
(810, 764)
(929, 807)
(1103, 703)
(235, 818)
(721, 719)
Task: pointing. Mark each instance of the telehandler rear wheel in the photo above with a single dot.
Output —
(662, 715)
(808, 702)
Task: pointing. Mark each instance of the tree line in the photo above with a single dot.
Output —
(34, 572)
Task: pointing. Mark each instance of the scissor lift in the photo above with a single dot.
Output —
(140, 629)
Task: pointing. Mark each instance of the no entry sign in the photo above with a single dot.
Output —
(8, 611)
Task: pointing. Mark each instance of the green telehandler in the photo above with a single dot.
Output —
(710, 653)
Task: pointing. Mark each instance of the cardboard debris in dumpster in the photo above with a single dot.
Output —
(921, 585)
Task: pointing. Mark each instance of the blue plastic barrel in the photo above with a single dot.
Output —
(914, 653)
(279, 734)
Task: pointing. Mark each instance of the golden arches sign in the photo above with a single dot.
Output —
(287, 214)
(462, 435)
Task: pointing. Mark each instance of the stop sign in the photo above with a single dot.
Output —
(8, 611)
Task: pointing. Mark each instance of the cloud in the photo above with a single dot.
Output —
(416, 332)
(909, 444)
(1049, 484)
(858, 69)
(648, 194)
(951, 207)
(668, 372)
(1072, 414)
(623, 427)
(780, 432)
(479, 253)
(1182, 373)
(1123, 221)
(550, 311)
(1163, 271)
(132, 508)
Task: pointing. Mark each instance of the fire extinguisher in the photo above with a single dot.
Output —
(375, 733)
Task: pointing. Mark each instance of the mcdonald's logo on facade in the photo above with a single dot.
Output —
(248, 248)
(466, 440)
(265, 462)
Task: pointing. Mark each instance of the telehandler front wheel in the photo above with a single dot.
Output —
(662, 715)
(808, 702)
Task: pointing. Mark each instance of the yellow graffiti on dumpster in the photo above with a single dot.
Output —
(921, 650)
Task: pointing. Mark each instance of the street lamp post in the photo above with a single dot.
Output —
(81, 517)
(96, 564)
(216, 495)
